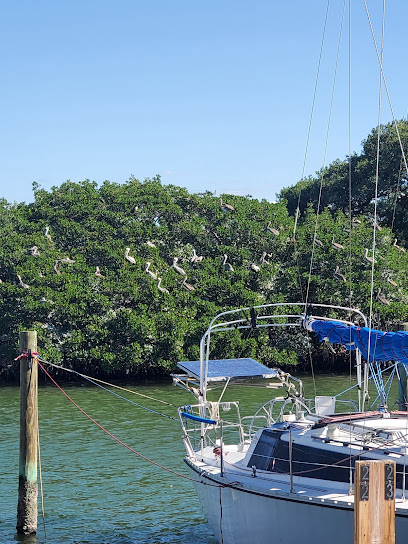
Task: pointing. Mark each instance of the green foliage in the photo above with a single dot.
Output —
(392, 187)
(97, 311)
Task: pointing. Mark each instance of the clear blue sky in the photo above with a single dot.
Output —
(212, 95)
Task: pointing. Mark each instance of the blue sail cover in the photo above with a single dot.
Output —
(384, 346)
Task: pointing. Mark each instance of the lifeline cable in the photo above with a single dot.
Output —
(120, 441)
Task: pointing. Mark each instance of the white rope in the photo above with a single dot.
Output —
(376, 186)
(311, 117)
(324, 154)
(386, 88)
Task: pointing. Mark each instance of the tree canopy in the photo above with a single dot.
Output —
(392, 186)
(123, 279)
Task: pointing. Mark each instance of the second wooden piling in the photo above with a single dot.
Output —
(374, 502)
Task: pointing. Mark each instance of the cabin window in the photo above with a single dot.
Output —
(262, 456)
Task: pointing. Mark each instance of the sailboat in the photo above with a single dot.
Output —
(286, 473)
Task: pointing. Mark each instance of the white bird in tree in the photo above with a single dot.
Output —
(56, 269)
(272, 229)
(129, 257)
(150, 244)
(22, 284)
(356, 221)
(226, 207)
(150, 272)
(47, 233)
(98, 272)
(34, 251)
(263, 257)
(255, 267)
(228, 267)
(160, 288)
(196, 258)
(336, 245)
(67, 260)
(402, 249)
(338, 275)
(392, 282)
(187, 286)
(318, 242)
(382, 298)
(367, 258)
(178, 269)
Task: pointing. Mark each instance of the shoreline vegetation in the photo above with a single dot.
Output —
(121, 280)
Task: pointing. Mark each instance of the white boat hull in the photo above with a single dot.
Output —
(239, 517)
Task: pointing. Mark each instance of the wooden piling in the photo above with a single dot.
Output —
(374, 502)
(27, 482)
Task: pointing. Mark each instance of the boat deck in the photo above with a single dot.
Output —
(323, 492)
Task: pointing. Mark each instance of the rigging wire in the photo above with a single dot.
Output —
(350, 228)
(386, 88)
(370, 316)
(120, 441)
(311, 117)
(94, 381)
(397, 191)
(325, 153)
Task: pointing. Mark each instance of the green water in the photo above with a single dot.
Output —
(95, 490)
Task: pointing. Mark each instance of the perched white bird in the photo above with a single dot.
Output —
(263, 258)
(34, 251)
(226, 207)
(228, 267)
(150, 244)
(318, 242)
(367, 258)
(336, 245)
(98, 272)
(47, 233)
(338, 275)
(382, 298)
(24, 285)
(187, 286)
(150, 272)
(160, 288)
(56, 269)
(129, 257)
(255, 267)
(402, 249)
(196, 258)
(178, 268)
(272, 229)
(67, 260)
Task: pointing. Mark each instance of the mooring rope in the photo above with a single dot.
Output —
(94, 381)
(120, 441)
